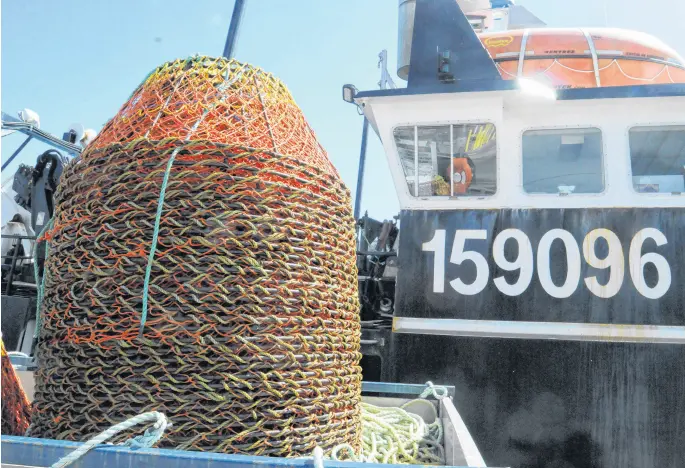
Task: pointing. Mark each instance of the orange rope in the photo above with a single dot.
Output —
(252, 338)
(15, 405)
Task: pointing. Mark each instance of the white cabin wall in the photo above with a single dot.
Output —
(520, 118)
(514, 113)
(436, 109)
(614, 117)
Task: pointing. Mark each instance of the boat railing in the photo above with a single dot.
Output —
(12, 274)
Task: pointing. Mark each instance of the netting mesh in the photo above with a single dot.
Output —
(15, 406)
(251, 343)
(225, 102)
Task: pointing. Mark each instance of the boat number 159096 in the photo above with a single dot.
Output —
(524, 262)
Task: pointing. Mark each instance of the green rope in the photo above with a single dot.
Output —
(437, 391)
(155, 235)
(160, 208)
(40, 281)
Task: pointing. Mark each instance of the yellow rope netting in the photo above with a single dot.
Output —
(207, 203)
(15, 405)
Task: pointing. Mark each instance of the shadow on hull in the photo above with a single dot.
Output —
(557, 404)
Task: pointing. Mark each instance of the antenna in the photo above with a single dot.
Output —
(386, 82)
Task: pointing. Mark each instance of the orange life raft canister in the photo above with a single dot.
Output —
(584, 58)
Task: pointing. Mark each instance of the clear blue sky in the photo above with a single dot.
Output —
(79, 60)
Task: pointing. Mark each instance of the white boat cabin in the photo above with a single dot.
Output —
(532, 148)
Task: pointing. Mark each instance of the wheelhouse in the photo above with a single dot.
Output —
(540, 264)
(567, 149)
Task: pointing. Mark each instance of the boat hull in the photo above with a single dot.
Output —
(533, 403)
(558, 359)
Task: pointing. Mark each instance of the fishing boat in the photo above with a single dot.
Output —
(541, 177)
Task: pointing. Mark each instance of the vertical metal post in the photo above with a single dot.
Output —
(386, 81)
(434, 157)
(10, 278)
(451, 160)
(416, 161)
(14, 155)
(233, 28)
(360, 174)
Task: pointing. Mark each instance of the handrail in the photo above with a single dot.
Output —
(12, 123)
(400, 388)
(9, 281)
(18, 236)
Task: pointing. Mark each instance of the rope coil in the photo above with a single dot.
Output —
(399, 436)
(202, 265)
(15, 405)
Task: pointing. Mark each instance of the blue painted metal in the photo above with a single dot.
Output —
(43, 452)
(439, 26)
(233, 28)
(501, 3)
(637, 91)
(23, 362)
(609, 92)
(18, 150)
(12, 123)
(360, 174)
(466, 86)
(400, 388)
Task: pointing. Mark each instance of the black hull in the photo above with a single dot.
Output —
(533, 402)
(552, 404)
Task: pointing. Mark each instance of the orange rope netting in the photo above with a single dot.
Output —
(15, 406)
(240, 322)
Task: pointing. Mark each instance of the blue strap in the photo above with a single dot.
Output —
(155, 235)
(160, 208)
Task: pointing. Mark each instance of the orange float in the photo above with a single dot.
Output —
(584, 58)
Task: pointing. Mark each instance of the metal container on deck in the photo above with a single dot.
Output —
(460, 449)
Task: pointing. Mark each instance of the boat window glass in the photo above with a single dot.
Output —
(657, 156)
(404, 139)
(448, 160)
(563, 161)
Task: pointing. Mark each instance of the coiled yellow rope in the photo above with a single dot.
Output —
(394, 435)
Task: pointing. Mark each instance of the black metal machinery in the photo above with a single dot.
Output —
(35, 188)
(377, 265)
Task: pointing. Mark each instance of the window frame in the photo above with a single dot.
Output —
(450, 124)
(630, 159)
(605, 180)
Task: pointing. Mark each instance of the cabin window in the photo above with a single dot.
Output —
(657, 156)
(448, 160)
(563, 161)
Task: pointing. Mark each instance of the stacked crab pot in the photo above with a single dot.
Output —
(246, 334)
(15, 405)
